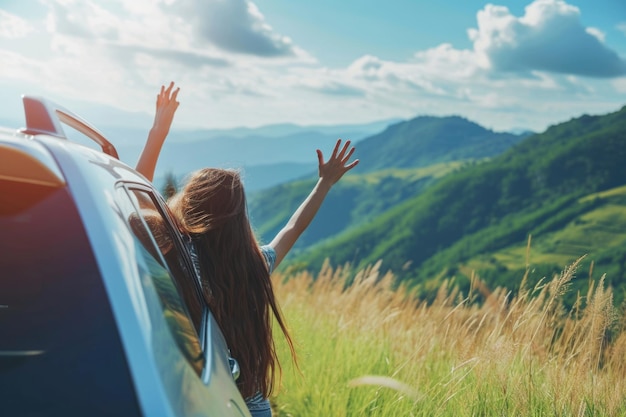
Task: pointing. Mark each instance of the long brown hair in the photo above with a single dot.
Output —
(212, 209)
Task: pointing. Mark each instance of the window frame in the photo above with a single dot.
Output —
(187, 269)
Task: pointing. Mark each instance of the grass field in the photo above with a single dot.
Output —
(368, 350)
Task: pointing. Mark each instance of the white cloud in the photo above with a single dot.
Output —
(234, 69)
(549, 37)
(212, 29)
(620, 85)
(331, 87)
(421, 76)
(596, 33)
(83, 19)
(622, 28)
(22, 68)
(455, 63)
(116, 48)
(234, 26)
(13, 27)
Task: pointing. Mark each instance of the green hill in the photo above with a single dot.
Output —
(354, 201)
(536, 187)
(396, 164)
(428, 140)
(598, 232)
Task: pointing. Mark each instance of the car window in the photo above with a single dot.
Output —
(167, 266)
(57, 330)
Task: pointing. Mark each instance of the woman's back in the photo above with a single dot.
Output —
(235, 272)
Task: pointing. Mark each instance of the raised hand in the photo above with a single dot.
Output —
(332, 170)
(166, 105)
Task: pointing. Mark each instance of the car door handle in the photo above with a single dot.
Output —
(14, 358)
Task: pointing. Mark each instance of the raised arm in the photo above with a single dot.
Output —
(166, 106)
(329, 173)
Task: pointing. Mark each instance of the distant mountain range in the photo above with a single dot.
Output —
(266, 155)
(441, 198)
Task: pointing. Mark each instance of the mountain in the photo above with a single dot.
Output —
(537, 187)
(428, 140)
(396, 164)
(287, 129)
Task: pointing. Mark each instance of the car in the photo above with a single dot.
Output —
(102, 312)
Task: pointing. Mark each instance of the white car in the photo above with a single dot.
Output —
(101, 311)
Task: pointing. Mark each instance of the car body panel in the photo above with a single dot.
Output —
(165, 383)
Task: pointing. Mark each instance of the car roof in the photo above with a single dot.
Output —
(31, 154)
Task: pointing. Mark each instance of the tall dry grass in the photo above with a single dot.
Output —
(368, 349)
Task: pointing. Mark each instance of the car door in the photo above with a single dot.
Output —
(60, 350)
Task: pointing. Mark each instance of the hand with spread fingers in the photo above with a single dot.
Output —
(166, 106)
(331, 171)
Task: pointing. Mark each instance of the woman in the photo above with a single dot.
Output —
(235, 270)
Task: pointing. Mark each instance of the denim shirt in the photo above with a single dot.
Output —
(270, 256)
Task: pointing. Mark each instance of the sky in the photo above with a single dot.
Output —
(505, 65)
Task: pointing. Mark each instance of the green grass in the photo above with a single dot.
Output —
(367, 350)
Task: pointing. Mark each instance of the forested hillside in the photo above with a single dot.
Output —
(546, 183)
(354, 201)
(534, 188)
(396, 165)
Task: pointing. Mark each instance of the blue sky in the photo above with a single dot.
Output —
(504, 64)
(396, 29)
